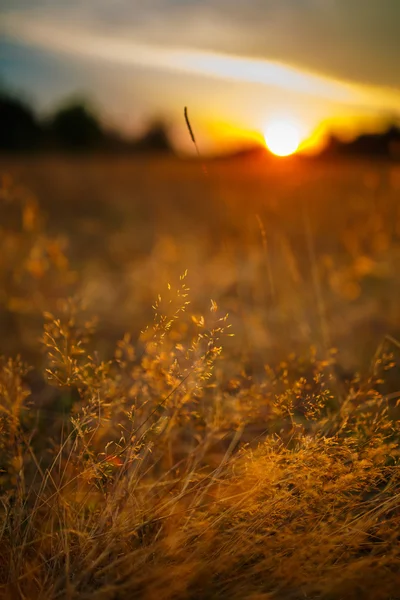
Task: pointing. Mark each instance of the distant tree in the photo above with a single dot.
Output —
(75, 128)
(19, 129)
(333, 146)
(382, 145)
(393, 141)
(155, 139)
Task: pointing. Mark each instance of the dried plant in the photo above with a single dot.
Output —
(164, 464)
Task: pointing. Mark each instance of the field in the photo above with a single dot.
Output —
(199, 381)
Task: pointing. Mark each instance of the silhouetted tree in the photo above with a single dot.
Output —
(75, 128)
(19, 129)
(384, 145)
(155, 139)
(393, 142)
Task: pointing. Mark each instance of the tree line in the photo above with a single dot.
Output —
(73, 128)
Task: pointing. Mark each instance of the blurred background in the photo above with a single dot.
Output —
(323, 65)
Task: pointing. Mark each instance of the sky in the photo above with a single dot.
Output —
(237, 65)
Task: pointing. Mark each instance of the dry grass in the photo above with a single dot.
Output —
(179, 460)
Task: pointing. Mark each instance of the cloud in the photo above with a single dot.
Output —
(80, 43)
(357, 39)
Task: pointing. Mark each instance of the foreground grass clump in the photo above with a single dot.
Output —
(120, 494)
(182, 462)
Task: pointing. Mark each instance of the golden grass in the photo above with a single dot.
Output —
(180, 460)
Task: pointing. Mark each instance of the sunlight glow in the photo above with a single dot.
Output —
(282, 137)
(268, 85)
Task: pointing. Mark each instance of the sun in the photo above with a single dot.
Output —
(282, 137)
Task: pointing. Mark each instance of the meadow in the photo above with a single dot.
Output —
(199, 378)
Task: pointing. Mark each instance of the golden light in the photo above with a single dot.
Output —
(282, 137)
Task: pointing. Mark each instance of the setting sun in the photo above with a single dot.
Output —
(282, 137)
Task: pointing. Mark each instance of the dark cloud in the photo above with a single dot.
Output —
(358, 39)
(354, 39)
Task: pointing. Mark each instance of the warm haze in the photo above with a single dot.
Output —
(235, 65)
(199, 337)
